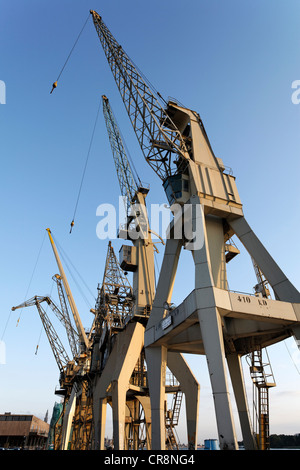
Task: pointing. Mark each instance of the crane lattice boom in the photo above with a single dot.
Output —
(162, 144)
(57, 347)
(126, 179)
(64, 316)
(115, 298)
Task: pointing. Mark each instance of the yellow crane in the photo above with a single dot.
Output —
(80, 329)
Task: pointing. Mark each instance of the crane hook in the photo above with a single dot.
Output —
(53, 87)
(72, 225)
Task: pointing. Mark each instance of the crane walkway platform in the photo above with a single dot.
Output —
(243, 316)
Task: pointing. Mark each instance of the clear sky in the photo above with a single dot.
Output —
(234, 63)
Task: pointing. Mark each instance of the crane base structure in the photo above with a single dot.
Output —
(121, 375)
(114, 385)
(118, 372)
(212, 320)
(219, 323)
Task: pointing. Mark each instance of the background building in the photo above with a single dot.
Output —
(24, 431)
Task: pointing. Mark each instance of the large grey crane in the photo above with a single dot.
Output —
(212, 320)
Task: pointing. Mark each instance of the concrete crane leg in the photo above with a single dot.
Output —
(67, 420)
(237, 380)
(211, 330)
(118, 391)
(129, 350)
(101, 385)
(99, 410)
(117, 372)
(166, 280)
(207, 267)
(156, 359)
(191, 389)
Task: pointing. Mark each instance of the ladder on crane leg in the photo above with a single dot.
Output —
(263, 380)
(172, 418)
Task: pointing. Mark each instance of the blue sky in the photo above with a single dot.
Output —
(233, 62)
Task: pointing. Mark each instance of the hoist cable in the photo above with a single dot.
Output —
(55, 83)
(84, 170)
(42, 327)
(39, 253)
(147, 81)
(6, 324)
(69, 262)
(292, 358)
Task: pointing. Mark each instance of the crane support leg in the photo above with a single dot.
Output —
(118, 390)
(67, 421)
(145, 402)
(129, 350)
(211, 329)
(191, 390)
(207, 268)
(101, 384)
(156, 359)
(99, 411)
(117, 371)
(166, 280)
(237, 380)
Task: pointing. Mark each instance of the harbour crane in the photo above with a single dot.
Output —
(139, 259)
(72, 334)
(74, 383)
(69, 368)
(164, 131)
(80, 329)
(59, 352)
(113, 312)
(127, 180)
(113, 307)
(212, 320)
(76, 387)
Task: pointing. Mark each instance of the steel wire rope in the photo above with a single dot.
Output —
(77, 283)
(156, 272)
(42, 327)
(292, 358)
(68, 262)
(146, 80)
(85, 166)
(37, 260)
(67, 59)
